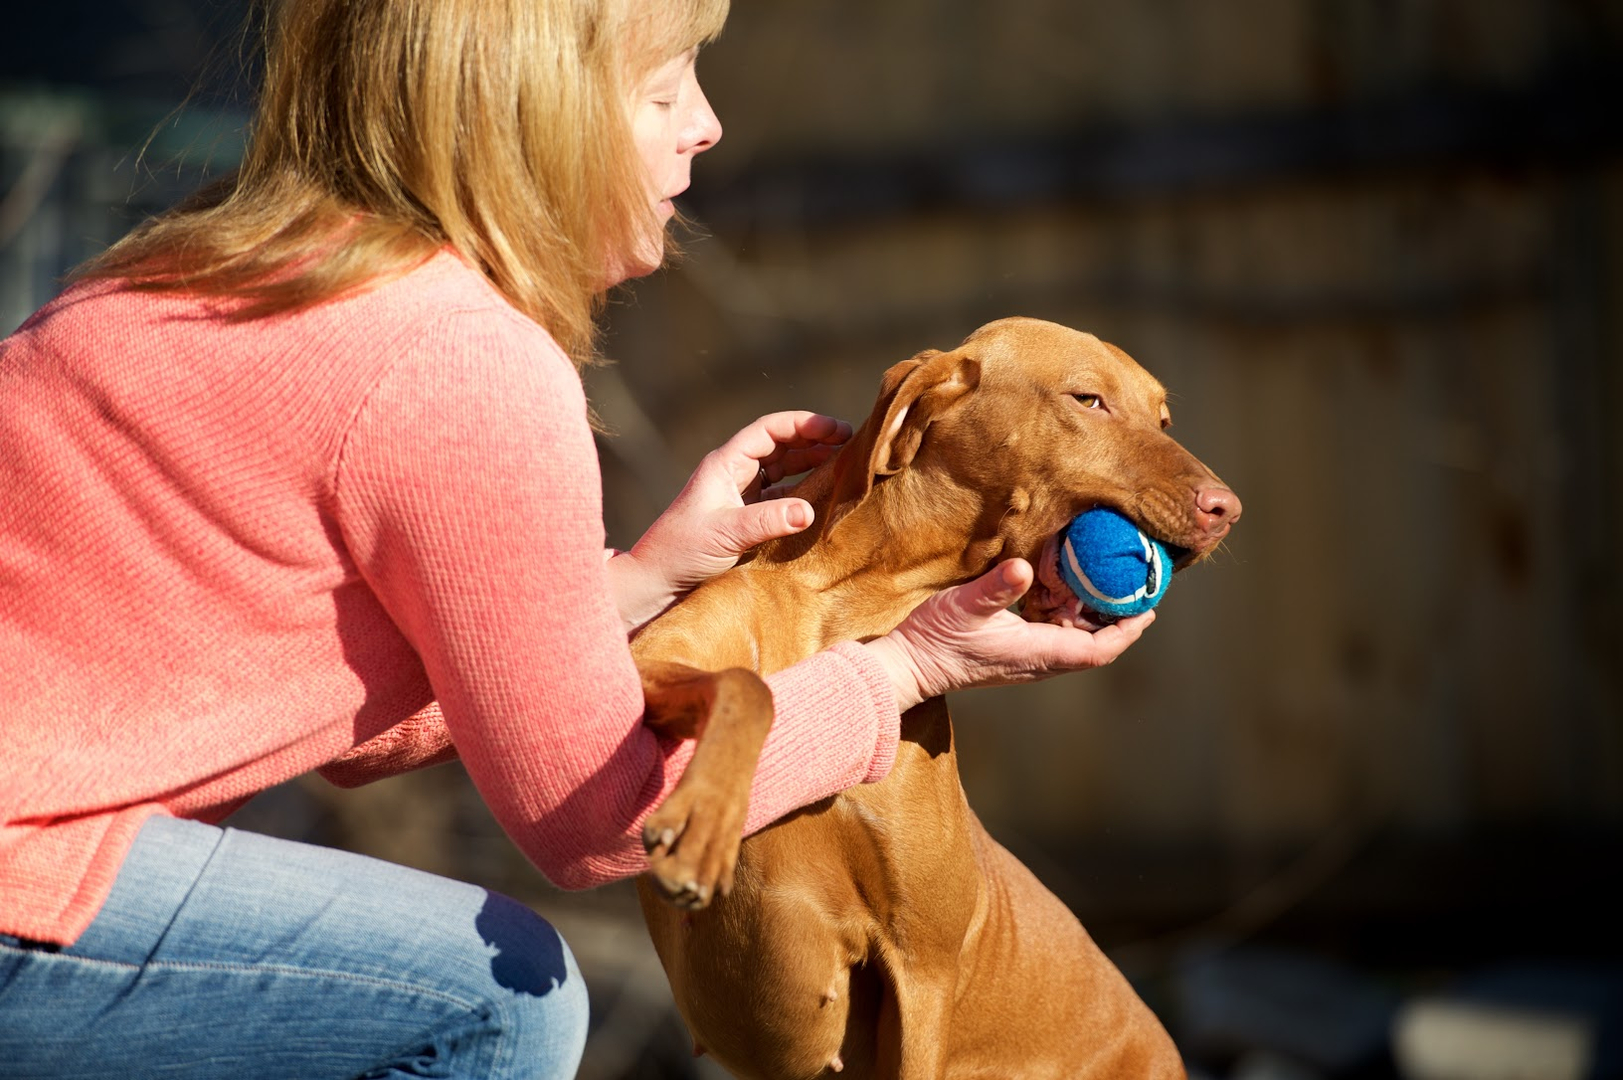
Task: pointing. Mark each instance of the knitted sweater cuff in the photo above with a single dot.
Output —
(871, 677)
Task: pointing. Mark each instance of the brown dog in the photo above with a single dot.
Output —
(882, 932)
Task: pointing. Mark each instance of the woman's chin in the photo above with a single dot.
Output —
(648, 256)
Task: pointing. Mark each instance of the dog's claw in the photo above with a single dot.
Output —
(685, 888)
(658, 840)
(692, 843)
(686, 876)
(690, 895)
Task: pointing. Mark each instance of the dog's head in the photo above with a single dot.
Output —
(1019, 429)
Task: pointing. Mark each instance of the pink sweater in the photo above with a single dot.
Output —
(231, 553)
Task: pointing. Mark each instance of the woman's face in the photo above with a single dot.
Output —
(671, 122)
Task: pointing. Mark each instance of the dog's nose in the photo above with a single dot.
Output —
(1217, 508)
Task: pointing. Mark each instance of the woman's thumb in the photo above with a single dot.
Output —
(999, 587)
(763, 521)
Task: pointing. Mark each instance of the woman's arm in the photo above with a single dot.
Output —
(468, 494)
(416, 742)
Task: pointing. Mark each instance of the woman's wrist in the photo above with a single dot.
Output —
(638, 594)
(897, 663)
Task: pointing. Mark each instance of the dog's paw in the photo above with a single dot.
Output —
(692, 849)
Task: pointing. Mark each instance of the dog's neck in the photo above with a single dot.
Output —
(874, 552)
(864, 564)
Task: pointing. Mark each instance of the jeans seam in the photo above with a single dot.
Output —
(246, 969)
(502, 1066)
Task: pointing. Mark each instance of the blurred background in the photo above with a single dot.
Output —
(1354, 807)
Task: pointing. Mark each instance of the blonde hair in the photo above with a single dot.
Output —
(386, 129)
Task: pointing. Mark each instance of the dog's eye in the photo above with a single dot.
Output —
(1089, 401)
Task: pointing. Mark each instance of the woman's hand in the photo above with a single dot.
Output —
(723, 512)
(963, 637)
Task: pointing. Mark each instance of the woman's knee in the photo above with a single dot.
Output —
(537, 991)
(524, 1013)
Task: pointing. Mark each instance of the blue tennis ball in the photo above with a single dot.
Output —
(1111, 565)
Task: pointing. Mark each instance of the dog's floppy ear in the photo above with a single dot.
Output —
(931, 383)
(911, 395)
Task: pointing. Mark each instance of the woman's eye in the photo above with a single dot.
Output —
(1089, 401)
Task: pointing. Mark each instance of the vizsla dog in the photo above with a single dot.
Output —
(883, 932)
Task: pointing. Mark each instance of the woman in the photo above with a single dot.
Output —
(301, 476)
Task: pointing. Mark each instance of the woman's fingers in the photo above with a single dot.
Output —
(963, 637)
(799, 460)
(780, 478)
(782, 443)
(1069, 648)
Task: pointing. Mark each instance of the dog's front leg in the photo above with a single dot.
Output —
(692, 838)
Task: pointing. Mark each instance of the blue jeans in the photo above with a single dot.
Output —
(228, 954)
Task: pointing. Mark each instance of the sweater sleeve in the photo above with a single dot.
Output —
(416, 742)
(469, 497)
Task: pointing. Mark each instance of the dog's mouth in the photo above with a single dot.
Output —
(1051, 600)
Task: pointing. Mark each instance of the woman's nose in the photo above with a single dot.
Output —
(703, 129)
